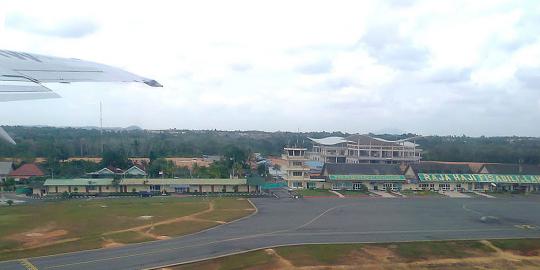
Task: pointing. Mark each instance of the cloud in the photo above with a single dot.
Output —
(241, 67)
(319, 67)
(447, 76)
(530, 77)
(389, 47)
(354, 66)
(70, 28)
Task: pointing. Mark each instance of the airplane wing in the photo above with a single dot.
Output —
(21, 74)
(5, 136)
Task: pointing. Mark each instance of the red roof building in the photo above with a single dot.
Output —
(26, 171)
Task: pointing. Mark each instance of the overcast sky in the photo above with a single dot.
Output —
(429, 67)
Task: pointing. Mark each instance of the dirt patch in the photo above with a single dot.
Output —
(282, 263)
(381, 253)
(39, 237)
(111, 244)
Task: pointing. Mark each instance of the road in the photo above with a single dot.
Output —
(288, 221)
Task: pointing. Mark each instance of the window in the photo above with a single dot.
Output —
(155, 188)
(297, 163)
(297, 184)
(297, 173)
(444, 186)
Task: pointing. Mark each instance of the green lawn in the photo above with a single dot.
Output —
(353, 192)
(520, 246)
(251, 260)
(84, 224)
(448, 249)
(383, 256)
(182, 228)
(128, 237)
(315, 192)
(309, 255)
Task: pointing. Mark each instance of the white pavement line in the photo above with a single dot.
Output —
(337, 193)
(322, 214)
(484, 194)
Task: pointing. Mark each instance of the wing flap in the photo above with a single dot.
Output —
(13, 91)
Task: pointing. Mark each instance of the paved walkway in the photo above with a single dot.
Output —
(454, 194)
(484, 194)
(400, 194)
(383, 194)
(337, 193)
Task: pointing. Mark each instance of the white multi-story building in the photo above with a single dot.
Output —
(296, 171)
(364, 149)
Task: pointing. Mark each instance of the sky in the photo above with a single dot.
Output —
(426, 67)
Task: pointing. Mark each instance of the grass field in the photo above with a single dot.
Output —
(315, 192)
(494, 254)
(353, 192)
(55, 227)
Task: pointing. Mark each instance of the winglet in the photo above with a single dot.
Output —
(153, 83)
(5, 136)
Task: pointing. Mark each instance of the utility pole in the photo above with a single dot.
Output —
(101, 127)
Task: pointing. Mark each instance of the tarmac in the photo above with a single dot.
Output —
(286, 221)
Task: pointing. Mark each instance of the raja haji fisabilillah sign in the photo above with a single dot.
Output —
(479, 178)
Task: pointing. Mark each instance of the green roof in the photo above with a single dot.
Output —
(365, 177)
(480, 178)
(189, 181)
(256, 180)
(79, 182)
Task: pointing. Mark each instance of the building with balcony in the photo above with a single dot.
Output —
(360, 149)
(296, 170)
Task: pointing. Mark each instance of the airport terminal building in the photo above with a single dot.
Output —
(364, 149)
(425, 175)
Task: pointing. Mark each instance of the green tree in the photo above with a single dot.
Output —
(262, 169)
(161, 165)
(117, 159)
(9, 202)
(9, 184)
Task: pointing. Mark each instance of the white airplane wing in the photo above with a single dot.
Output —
(21, 74)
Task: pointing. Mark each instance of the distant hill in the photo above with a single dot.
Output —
(390, 131)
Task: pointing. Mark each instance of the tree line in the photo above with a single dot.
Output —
(57, 144)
